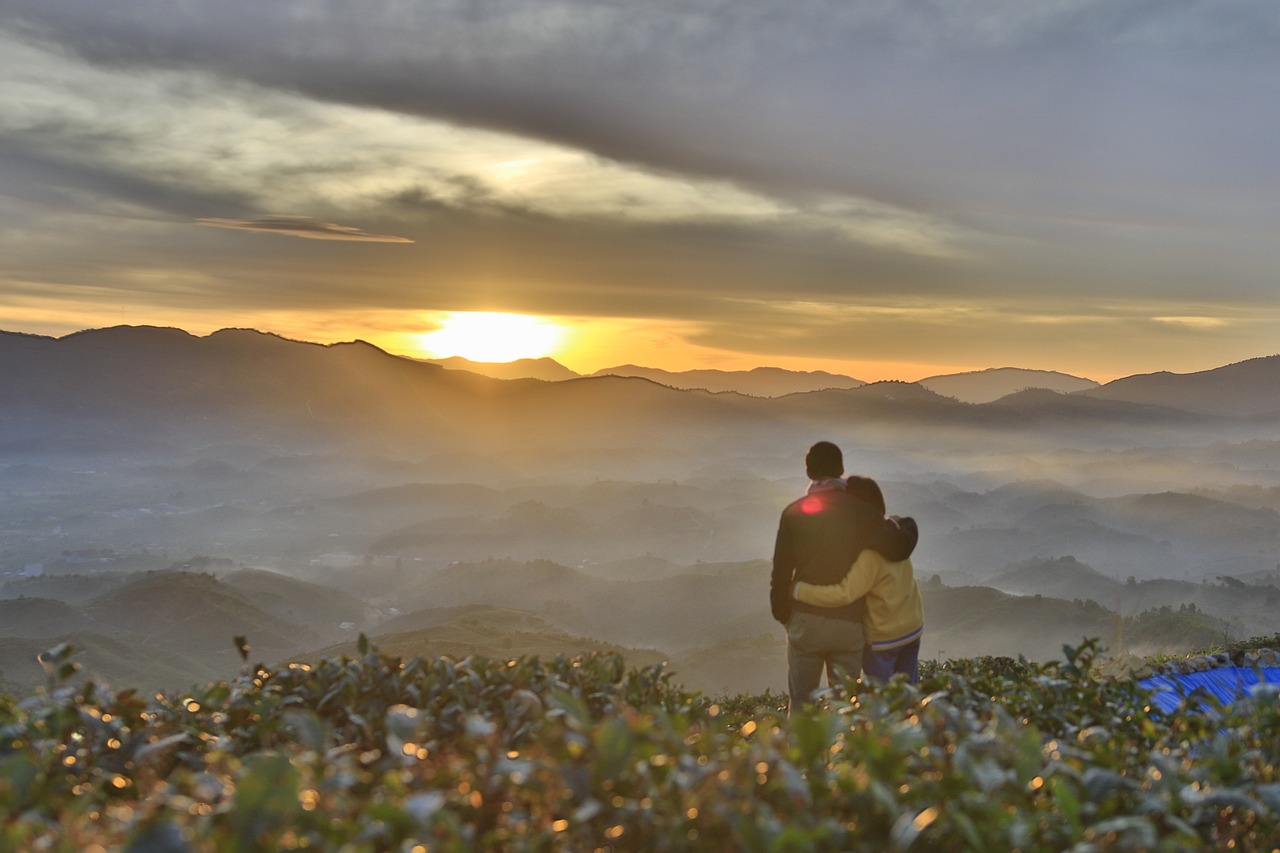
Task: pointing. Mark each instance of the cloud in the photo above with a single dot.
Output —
(937, 106)
(1194, 322)
(710, 165)
(302, 226)
(269, 147)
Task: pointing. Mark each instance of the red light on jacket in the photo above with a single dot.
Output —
(811, 505)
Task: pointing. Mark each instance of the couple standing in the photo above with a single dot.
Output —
(842, 583)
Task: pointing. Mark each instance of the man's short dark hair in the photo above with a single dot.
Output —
(824, 459)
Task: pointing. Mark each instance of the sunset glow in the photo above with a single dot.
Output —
(499, 191)
(492, 336)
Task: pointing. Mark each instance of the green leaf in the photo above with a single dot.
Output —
(266, 801)
(307, 727)
(614, 745)
(1067, 802)
(566, 704)
(158, 749)
(17, 775)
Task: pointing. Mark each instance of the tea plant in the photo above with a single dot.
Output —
(375, 753)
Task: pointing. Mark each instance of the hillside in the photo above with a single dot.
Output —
(1247, 388)
(546, 369)
(192, 613)
(748, 664)
(494, 633)
(497, 619)
(1062, 577)
(669, 611)
(162, 629)
(757, 382)
(1180, 514)
(118, 661)
(32, 618)
(984, 386)
(70, 588)
(977, 621)
(291, 601)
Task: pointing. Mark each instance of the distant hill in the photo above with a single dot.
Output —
(974, 621)
(1177, 514)
(168, 629)
(126, 386)
(1053, 406)
(984, 386)
(893, 408)
(145, 388)
(647, 567)
(38, 617)
(497, 619)
(69, 588)
(298, 602)
(759, 382)
(749, 664)
(1247, 607)
(1061, 577)
(193, 613)
(485, 633)
(129, 389)
(631, 612)
(1245, 388)
(121, 662)
(547, 369)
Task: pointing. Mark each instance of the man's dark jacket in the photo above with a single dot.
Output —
(819, 537)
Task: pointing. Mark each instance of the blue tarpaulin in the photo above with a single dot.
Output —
(1226, 683)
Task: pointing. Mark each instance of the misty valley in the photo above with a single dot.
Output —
(161, 494)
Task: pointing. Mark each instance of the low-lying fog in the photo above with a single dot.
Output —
(677, 564)
(1036, 531)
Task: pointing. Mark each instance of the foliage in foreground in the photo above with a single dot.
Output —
(375, 753)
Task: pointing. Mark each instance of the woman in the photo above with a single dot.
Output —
(894, 610)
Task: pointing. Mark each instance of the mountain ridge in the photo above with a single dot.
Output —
(993, 383)
(1232, 388)
(1243, 388)
(977, 386)
(121, 387)
(758, 381)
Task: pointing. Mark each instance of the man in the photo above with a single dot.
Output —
(819, 537)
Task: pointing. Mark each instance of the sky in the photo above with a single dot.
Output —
(889, 189)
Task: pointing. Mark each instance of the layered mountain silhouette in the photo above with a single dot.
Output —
(972, 387)
(758, 382)
(547, 369)
(984, 386)
(127, 371)
(1245, 388)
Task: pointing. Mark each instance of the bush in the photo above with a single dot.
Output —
(375, 753)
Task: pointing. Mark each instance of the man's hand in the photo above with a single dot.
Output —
(909, 528)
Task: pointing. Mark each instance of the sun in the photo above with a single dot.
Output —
(492, 336)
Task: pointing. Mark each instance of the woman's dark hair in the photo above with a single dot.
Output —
(866, 489)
